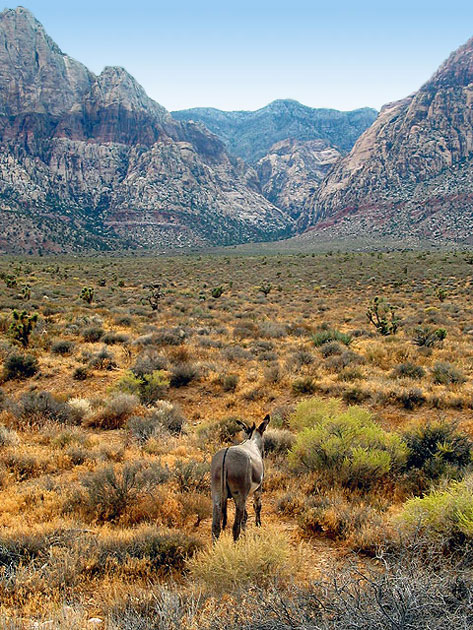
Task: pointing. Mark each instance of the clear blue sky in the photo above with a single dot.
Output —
(242, 55)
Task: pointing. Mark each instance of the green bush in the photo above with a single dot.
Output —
(324, 336)
(149, 387)
(436, 448)
(348, 448)
(20, 366)
(444, 514)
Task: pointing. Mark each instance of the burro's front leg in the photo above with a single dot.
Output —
(257, 505)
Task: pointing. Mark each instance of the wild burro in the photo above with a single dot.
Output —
(236, 473)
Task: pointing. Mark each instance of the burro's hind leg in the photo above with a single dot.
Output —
(257, 506)
(239, 515)
(216, 517)
(224, 512)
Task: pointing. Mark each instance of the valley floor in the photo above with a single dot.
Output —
(110, 412)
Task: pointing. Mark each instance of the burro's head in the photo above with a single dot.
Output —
(254, 434)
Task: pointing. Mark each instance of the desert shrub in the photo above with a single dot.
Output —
(322, 337)
(436, 448)
(445, 373)
(81, 406)
(62, 347)
(330, 348)
(165, 550)
(191, 475)
(195, 505)
(278, 441)
(408, 370)
(102, 360)
(272, 330)
(20, 366)
(149, 388)
(92, 333)
(303, 385)
(258, 558)
(341, 361)
(223, 430)
(339, 519)
(111, 338)
(170, 336)
(183, 373)
(117, 409)
(36, 408)
(149, 362)
(245, 330)
(348, 374)
(445, 514)
(348, 448)
(272, 373)
(428, 337)
(312, 412)
(80, 373)
(165, 418)
(111, 491)
(411, 398)
(123, 320)
(235, 354)
(8, 437)
(229, 382)
(355, 395)
(301, 357)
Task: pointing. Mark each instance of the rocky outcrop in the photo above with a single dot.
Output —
(250, 135)
(291, 172)
(411, 173)
(92, 162)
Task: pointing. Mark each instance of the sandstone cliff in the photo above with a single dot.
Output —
(92, 162)
(410, 174)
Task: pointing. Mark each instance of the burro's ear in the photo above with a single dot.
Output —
(264, 424)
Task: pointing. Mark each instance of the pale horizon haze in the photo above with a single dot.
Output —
(243, 55)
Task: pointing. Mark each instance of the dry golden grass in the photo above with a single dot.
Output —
(238, 356)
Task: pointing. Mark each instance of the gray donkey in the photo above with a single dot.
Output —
(236, 472)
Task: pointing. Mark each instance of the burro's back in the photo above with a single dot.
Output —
(236, 473)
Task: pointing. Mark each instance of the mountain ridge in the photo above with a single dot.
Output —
(92, 162)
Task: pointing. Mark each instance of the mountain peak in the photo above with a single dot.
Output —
(456, 71)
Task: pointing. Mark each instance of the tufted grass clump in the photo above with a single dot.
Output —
(347, 448)
(258, 558)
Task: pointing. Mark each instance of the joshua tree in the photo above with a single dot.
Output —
(154, 295)
(87, 294)
(22, 326)
(383, 316)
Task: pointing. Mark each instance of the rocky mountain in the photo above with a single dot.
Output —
(91, 161)
(410, 175)
(291, 172)
(251, 134)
